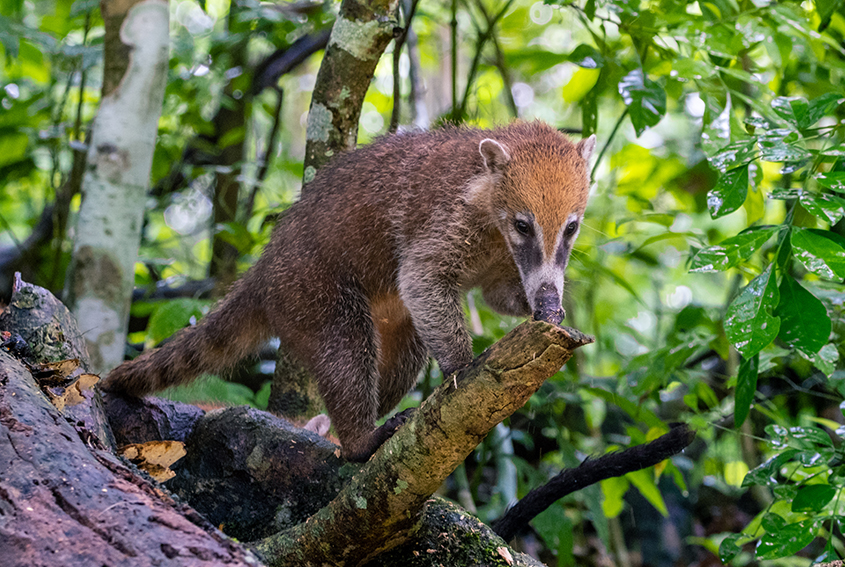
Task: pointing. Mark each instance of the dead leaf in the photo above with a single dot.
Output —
(71, 394)
(155, 457)
(49, 374)
(506, 555)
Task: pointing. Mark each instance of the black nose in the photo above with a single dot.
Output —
(547, 305)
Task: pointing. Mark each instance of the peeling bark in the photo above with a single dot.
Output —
(101, 275)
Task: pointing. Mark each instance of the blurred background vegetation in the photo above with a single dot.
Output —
(710, 267)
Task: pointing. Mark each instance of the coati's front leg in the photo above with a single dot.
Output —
(433, 298)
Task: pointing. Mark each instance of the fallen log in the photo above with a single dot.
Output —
(65, 498)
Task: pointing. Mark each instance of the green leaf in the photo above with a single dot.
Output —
(587, 56)
(749, 323)
(613, 489)
(170, 316)
(822, 105)
(819, 254)
(734, 154)
(792, 109)
(775, 147)
(646, 100)
(786, 541)
(826, 8)
(729, 548)
(828, 207)
(772, 522)
(765, 474)
(746, 387)
(804, 322)
(825, 360)
(729, 193)
(834, 180)
(643, 480)
(813, 498)
(732, 251)
(13, 147)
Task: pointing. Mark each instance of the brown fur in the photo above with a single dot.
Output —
(363, 277)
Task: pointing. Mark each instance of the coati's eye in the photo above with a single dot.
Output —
(522, 227)
(571, 228)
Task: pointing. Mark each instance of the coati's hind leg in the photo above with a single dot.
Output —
(402, 353)
(343, 360)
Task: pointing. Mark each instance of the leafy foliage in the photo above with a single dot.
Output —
(710, 267)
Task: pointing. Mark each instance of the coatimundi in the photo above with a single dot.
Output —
(363, 276)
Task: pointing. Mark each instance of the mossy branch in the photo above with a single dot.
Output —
(379, 508)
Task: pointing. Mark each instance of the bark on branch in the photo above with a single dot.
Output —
(380, 507)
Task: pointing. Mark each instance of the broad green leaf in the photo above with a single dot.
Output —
(733, 155)
(587, 56)
(776, 145)
(613, 489)
(13, 147)
(645, 99)
(766, 473)
(826, 8)
(801, 114)
(786, 541)
(716, 128)
(813, 435)
(820, 255)
(794, 110)
(172, 315)
(825, 360)
(825, 206)
(813, 498)
(822, 105)
(834, 180)
(749, 323)
(772, 522)
(643, 480)
(729, 548)
(729, 193)
(746, 387)
(732, 251)
(804, 322)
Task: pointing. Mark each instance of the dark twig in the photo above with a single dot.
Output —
(500, 63)
(268, 155)
(590, 472)
(481, 41)
(398, 44)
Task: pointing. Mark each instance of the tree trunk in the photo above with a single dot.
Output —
(101, 275)
(360, 35)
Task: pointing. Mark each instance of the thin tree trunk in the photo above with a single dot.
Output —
(101, 276)
(360, 35)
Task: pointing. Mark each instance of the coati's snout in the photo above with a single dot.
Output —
(547, 305)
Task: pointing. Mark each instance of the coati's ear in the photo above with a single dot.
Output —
(494, 154)
(587, 147)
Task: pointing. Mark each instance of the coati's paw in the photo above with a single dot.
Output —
(362, 451)
(397, 421)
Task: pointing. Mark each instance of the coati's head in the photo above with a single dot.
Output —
(540, 182)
